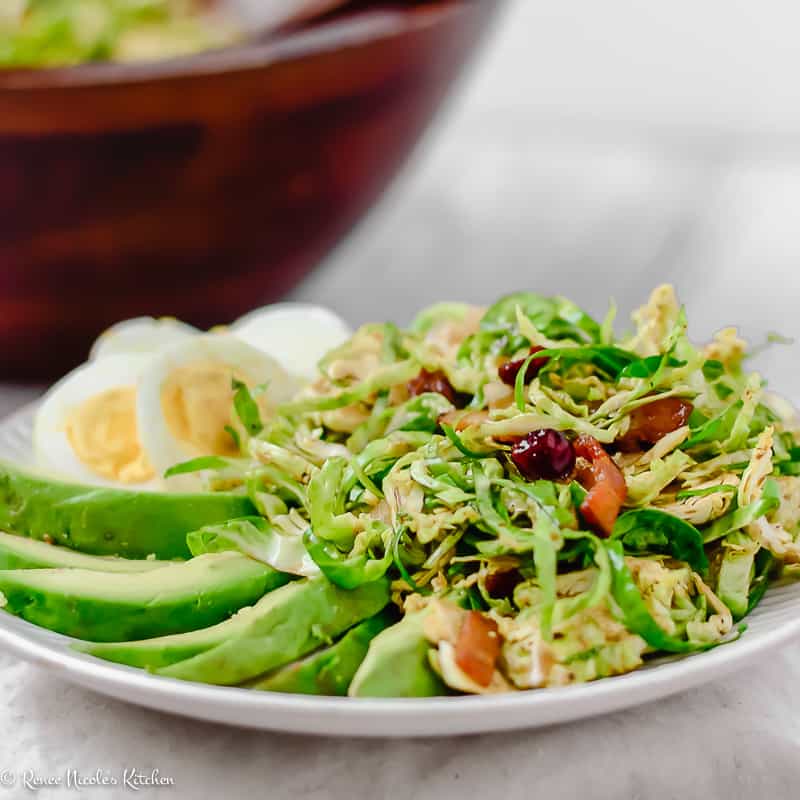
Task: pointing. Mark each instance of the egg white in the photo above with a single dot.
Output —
(296, 334)
(163, 448)
(52, 449)
(141, 335)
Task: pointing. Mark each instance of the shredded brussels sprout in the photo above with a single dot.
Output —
(411, 456)
(40, 33)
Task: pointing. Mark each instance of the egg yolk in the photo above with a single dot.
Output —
(104, 436)
(197, 401)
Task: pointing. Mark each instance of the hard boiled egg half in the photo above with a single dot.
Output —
(157, 392)
(142, 335)
(122, 420)
(86, 429)
(296, 334)
(185, 398)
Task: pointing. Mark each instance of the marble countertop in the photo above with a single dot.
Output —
(502, 196)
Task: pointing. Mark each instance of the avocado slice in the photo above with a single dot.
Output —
(397, 664)
(273, 609)
(327, 671)
(288, 624)
(165, 650)
(113, 606)
(104, 521)
(17, 552)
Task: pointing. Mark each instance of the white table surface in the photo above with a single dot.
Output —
(504, 197)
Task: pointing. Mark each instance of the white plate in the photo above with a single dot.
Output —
(773, 623)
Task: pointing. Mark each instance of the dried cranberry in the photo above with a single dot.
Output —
(508, 372)
(502, 584)
(545, 453)
(432, 382)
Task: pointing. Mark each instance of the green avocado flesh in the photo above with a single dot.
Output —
(103, 521)
(162, 651)
(286, 625)
(17, 552)
(107, 607)
(327, 671)
(285, 620)
(396, 664)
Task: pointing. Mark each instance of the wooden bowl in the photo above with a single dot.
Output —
(204, 186)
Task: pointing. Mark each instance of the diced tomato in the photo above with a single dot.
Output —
(654, 421)
(604, 482)
(601, 508)
(478, 647)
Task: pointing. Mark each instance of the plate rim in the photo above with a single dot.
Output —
(380, 717)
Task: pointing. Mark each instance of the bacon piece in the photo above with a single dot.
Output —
(432, 382)
(478, 647)
(653, 422)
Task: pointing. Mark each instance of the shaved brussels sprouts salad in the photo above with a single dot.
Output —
(64, 32)
(494, 499)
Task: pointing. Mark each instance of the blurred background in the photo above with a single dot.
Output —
(593, 150)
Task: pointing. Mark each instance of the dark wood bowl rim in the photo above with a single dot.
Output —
(247, 56)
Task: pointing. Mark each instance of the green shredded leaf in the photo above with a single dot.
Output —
(607, 326)
(609, 360)
(234, 434)
(346, 571)
(383, 378)
(740, 517)
(246, 408)
(401, 567)
(772, 338)
(685, 494)
(439, 312)
(578, 493)
(635, 615)
(450, 433)
(714, 430)
(736, 572)
(713, 369)
(326, 502)
(519, 382)
(650, 366)
(197, 465)
(648, 530)
(765, 562)
(546, 562)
